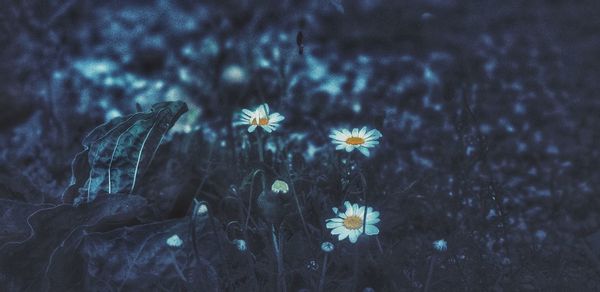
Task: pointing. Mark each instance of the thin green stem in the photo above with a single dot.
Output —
(261, 158)
(379, 245)
(293, 189)
(250, 199)
(430, 273)
(280, 274)
(355, 268)
(323, 273)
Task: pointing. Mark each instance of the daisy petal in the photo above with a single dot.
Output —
(336, 134)
(354, 236)
(349, 209)
(370, 144)
(343, 235)
(338, 230)
(361, 211)
(373, 134)
(248, 112)
(362, 132)
(373, 220)
(355, 132)
(337, 137)
(263, 110)
(332, 225)
(349, 148)
(373, 215)
(276, 118)
(364, 151)
(371, 230)
(251, 128)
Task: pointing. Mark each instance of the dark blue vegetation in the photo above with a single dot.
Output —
(123, 166)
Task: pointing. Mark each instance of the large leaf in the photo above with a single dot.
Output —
(17, 186)
(13, 219)
(139, 259)
(51, 234)
(117, 154)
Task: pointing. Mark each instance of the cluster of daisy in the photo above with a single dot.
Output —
(344, 139)
(355, 220)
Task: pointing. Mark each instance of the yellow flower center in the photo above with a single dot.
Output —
(355, 140)
(353, 222)
(260, 121)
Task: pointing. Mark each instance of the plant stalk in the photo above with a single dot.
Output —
(293, 189)
(280, 275)
(323, 272)
(430, 273)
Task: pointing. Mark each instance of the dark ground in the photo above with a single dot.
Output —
(488, 111)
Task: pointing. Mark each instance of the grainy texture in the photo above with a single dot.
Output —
(488, 111)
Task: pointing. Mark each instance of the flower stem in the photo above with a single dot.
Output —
(355, 268)
(261, 158)
(364, 189)
(430, 272)
(250, 200)
(293, 189)
(323, 272)
(276, 247)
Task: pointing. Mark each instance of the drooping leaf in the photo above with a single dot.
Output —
(51, 234)
(116, 154)
(140, 258)
(13, 219)
(15, 186)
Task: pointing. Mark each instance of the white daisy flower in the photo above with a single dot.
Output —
(260, 117)
(351, 222)
(357, 139)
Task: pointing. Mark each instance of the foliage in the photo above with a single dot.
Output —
(487, 112)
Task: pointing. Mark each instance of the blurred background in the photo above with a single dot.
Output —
(488, 109)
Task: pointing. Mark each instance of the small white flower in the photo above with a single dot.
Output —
(260, 117)
(174, 241)
(280, 186)
(351, 223)
(355, 139)
(240, 244)
(440, 245)
(327, 246)
(203, 209)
